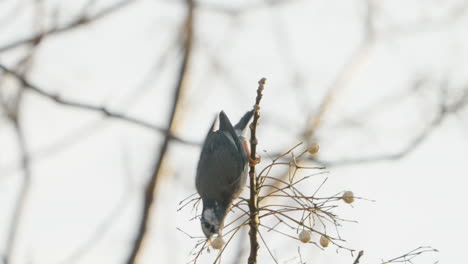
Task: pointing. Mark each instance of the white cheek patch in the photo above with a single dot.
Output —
(210, 217)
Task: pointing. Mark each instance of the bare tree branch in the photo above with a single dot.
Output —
(13, 109)
(89, 107)
(360, 254)
(150, 188)
(443, 112)
(408, 257)
(81, 20)
(22, 196)
(314, 120)
(344, 76)
(92, 127)
(253, 201)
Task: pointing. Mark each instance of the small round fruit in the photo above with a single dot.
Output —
(304, 236)
(324, 241)
(218, 243)
(313, 148)
(348, 197)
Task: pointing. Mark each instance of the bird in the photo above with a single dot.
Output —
(222, 171)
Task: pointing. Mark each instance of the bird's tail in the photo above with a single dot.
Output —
(242, 124)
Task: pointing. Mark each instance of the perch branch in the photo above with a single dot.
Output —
(253, 202)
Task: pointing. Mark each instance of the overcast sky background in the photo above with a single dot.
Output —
(87, 169)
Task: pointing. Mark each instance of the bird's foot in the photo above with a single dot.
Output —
(252, 162)
(255, 161)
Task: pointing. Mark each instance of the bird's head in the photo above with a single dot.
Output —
(212, 218)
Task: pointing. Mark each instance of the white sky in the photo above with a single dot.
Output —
(420, 200)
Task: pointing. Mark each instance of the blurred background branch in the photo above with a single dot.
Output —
(81, 20)
(13, 108)
(85, 106)
(181, 85)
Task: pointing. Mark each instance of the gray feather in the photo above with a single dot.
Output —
(221, 171)
(242, 124)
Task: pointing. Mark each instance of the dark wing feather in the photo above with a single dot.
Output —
(221, 168)
(226, 126)
(242, 124)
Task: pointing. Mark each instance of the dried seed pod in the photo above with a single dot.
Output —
(218, 243)
(304, 236)
(313, 148)
(348, 197)
(324, 241)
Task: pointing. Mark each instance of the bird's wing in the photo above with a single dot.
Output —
(226, 126)
(242, 124)
(220, 167)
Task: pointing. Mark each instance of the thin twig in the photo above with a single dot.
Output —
(22, 196)
(407, 257)
(81, 20)
(442, 113)
(344, 76)
(89, 107)
(268, 248)
(360, 254)
(14, 110)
